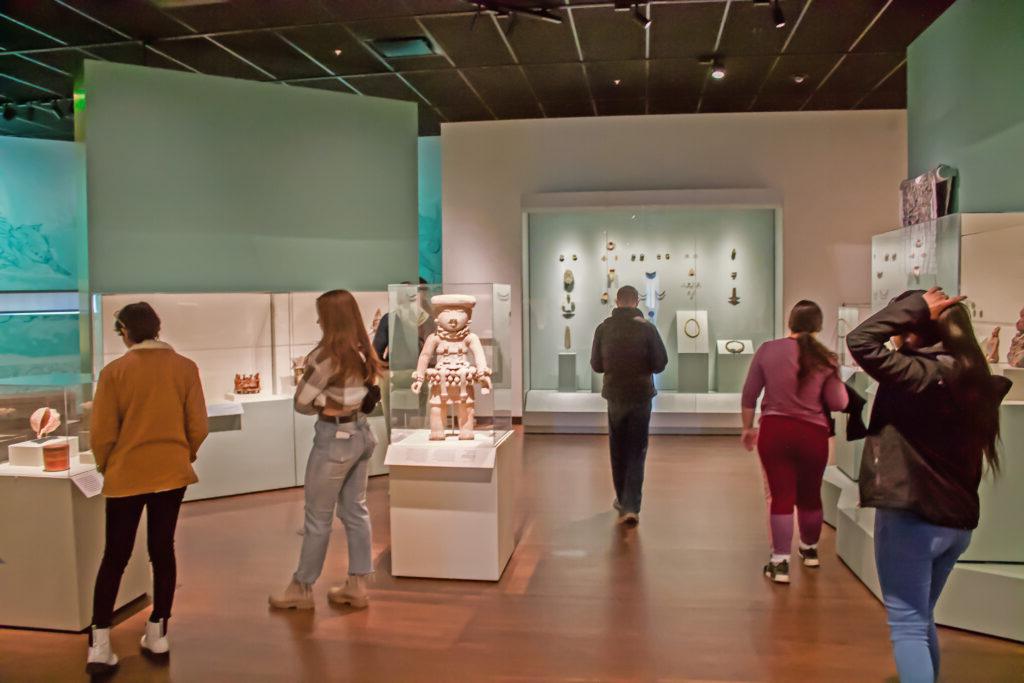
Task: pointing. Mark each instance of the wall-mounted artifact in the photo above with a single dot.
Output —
(568, 280)
(604, 258)
(604, 297)
(879, 275)
(691, 328)
(928, 196)
(561, 257)
(733, 275)
(459, 363)
(632, 257)
(735, 346)
(568, 307)
(612, 275)
(247, 384)
(732, 257)
(692, 272)
(57, 456)
(642, 257)
(992, 346)
(568, 338)
(610, 246)
(659, 257)
(667, 256)
(574, 257)
(44, 421)
(1015, 357)
(734, 300)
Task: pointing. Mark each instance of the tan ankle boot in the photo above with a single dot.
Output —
(353, 593)
(295, 596)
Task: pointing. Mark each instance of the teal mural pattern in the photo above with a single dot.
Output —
(38, 344)
(430, 208)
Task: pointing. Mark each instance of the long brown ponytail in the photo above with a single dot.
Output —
(805, 320)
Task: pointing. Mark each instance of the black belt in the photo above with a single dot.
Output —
(340, 419)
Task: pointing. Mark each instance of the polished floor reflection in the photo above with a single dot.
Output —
(679, 599)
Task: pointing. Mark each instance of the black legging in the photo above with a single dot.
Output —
(122, 523)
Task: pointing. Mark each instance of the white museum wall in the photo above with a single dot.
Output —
(838, 174)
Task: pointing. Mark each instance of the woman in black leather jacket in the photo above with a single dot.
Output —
(935, 419)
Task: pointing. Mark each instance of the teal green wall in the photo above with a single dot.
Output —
(430, 208)
(201, 183)
(965, 101)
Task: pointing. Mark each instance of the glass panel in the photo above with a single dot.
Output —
(436, 403)
(848, 317)
(44, 426)
(915, 257)
(706, 279)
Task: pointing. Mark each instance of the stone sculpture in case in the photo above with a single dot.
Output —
(459, 364)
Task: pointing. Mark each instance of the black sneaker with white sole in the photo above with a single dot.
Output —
(810, 557)
(777, 571)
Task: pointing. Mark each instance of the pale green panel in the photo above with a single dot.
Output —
(687, 240)
(200, 183)
(965, 103)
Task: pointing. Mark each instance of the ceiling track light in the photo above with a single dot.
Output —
(777, 16)
(640, 17)
(505, 10)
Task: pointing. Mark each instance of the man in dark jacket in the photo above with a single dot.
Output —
(629, 351)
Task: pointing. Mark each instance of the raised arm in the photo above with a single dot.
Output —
(911, 372)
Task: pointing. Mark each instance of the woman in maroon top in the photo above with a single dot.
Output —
(800, 380)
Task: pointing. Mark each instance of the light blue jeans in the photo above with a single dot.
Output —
(336, 476)
(914, 559)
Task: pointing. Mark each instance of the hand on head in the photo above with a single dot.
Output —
(938, 301)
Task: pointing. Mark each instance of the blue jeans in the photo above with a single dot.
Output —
(628, 427)
(914, 559)
(336, 477)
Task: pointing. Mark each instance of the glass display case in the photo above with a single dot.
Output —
(848, 317)
(706, 278)
(44, 426)
(916, 257)
(449, 364)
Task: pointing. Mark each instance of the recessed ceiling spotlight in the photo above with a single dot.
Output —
(799, 78)
(717, 71)
(617, 81)
(777, 16)
(337, 52)
(641, 18)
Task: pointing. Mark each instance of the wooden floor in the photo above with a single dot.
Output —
(679, 599)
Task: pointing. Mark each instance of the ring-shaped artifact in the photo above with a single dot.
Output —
(735, 346)
(687, 328)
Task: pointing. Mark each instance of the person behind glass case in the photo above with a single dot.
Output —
(149, 419)
(629, 351)
(800, 380)
(340, 373)
(934, 421)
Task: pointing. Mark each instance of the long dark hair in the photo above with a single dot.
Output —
(345, 339)
(971, 382)
(805, 320)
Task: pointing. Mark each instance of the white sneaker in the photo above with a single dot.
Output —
(101, 658)
(155, 639)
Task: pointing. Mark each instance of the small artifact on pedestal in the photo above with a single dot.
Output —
(57, 456)
(568, 338)
(1015, 357)
(992, 346)
(44, 421)
(298, 368)
(247, 384)
(734, 299)
(452, 378)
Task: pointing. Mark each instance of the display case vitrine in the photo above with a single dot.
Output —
(848, 317)
(706, 278)
(916, 257)
(52, 534)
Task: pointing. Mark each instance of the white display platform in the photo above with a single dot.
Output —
(731, 368)
(553, 412)
(700, 343)
(453, 506)
(567, 371)
(1015, 375)
(982, 597)
(51, 555)
(259, 456)
(30, 453)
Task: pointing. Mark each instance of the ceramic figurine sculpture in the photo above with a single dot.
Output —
(1015, 357)
(44, 421)
(992, 346)
(459, 364)
(57, 456)
(247, 384)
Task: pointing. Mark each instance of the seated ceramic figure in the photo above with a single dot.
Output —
(459, 365)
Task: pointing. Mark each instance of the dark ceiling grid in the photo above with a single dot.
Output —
(579, 52)
(718, 43)
(782, 53)
(515, 59)
(430, 36)
(886, 79)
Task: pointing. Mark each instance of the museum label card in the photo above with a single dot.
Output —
(89, 483)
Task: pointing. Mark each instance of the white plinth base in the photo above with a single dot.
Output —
(987, 598)
(51, 554)
(453, 506)
(30, 453)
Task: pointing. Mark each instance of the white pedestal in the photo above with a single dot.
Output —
(693, 373)
(567, 371)
(51, 545)
(258, 457)
(453, 506)
(1015, 375)
(30, 453)
(732, 367)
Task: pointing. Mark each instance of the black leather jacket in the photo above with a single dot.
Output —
(937, 477)
(629, 351)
